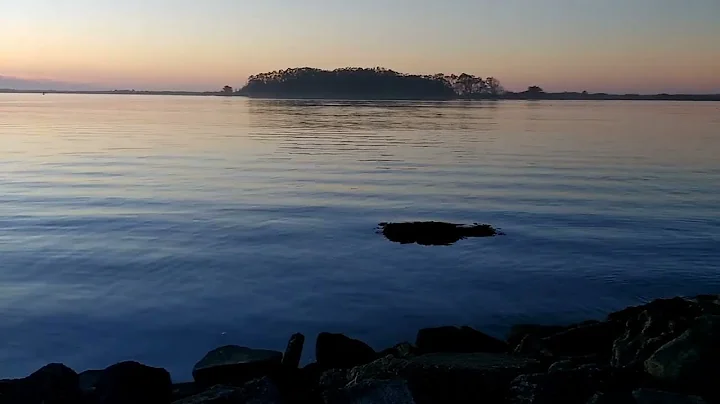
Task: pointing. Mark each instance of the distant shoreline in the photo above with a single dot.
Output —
(564, 96)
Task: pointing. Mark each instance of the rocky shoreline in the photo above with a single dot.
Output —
(666, 351)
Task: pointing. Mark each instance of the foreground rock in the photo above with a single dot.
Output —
(52, 384)
(260, 391)
(437, 378)
(337, 351)
(434, 233)
(235, 365)
(133, 383)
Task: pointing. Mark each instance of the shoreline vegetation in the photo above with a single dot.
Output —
(384, 84)
(664, 351)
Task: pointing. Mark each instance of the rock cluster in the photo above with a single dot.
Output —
(666, 351)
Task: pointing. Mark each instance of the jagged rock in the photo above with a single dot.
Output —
(532, 346)
(443, 377)
(595, 338)
(260, 391)
(235, 365)
(520, 331)
(372, 392)
(457, 339)
(648, 396)
(648, 327)
(692, 360)
(434, 233)
(573, 363)
(293, 352)
(133, 383)
(401, 350)
(337, 351)
(51, 384)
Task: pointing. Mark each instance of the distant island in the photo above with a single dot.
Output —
(385, 84)
(378, 83)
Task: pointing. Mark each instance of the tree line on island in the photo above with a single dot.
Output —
(382, 83)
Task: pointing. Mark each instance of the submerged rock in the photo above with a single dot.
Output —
(235, 365)
(434, 233)
(457, 339)
(337, 351)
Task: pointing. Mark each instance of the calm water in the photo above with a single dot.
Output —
(157, 228)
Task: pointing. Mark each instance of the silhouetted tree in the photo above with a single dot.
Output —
(227, 90)
(494, 88)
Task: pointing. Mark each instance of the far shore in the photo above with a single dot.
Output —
(563, 96)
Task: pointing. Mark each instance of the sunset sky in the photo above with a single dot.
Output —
(609, 45)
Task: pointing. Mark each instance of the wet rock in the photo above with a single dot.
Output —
(457, 339)
(260, 391)
(586, 339)
(401, 350)
(648, 396)
(520, 331)
(235, 365)
(133, 383)
(372, 392)
(337, 351)
(573, 386)
(51, 384)
(293, 352)
(434, 233)
(648, 327)
(447, 377)
(692, 360)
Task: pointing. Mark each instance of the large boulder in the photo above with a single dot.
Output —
(235, 365)
(337, 351)
(259, 391)
(401, 350)
(442, 377)
(692, 360)
(133, 383)
(648, 327)
(592, 338)
(457, 339)
(52, 384)
(569, 386)
(519, 332)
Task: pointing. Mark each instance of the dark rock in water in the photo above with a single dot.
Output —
(401, 350)
(648, 327)
(337, 351)
(434, 233)
(256, 391)
(648, 396)
(520, 331)
(235, 365)
(692, 360)
(372, 392)
(457, 339)
(133, 383)
(586, 339)
(293, 352)
(51, 384)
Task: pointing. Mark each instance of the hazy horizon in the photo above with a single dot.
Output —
(640, 46)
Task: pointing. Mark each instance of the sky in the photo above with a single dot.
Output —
(642, 46)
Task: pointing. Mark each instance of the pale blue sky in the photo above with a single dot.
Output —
(609, 45)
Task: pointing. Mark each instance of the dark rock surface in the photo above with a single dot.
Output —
(372, 392)
(260, 391)
(434, 233)
(401, 350)
(518, 332)
(337, 351)
(52, 384)
(648, 396)
(457, 339)
(235, 365)
(133, 383)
